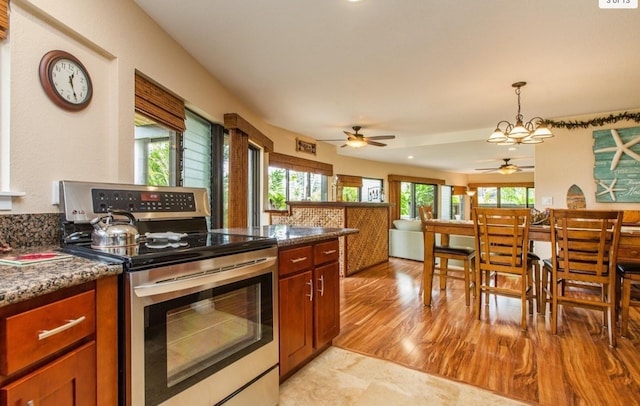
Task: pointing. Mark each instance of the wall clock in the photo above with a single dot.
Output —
(65, 80)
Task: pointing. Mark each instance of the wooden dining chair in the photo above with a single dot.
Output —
(629, 277)
(502, 247)
(446, 252)
(584, 245)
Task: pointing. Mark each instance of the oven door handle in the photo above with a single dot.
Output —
(200, 279)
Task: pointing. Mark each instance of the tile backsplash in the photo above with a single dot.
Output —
(30, 230)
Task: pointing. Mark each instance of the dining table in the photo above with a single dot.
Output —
(628, 248)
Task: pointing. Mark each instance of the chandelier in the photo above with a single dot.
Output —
(533, 131)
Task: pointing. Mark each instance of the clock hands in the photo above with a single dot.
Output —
(72, 89)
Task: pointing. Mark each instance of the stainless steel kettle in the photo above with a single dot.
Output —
(111, 233)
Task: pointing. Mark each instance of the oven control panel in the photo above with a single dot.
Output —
(82, 201)
(142, 201)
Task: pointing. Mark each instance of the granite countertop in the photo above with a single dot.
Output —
(291, 235)
(23, 282)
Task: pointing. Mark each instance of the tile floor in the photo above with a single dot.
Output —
(343, 378)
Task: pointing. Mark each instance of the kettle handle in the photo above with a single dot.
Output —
(127, 214)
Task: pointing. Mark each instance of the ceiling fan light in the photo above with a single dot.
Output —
(497, 136)
(507, 170)
(356, 143)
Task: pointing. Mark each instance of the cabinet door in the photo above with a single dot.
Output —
(327, 303)
(296, 319)
(67, 381)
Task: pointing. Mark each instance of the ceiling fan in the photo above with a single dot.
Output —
(356, 140)
(506, 168)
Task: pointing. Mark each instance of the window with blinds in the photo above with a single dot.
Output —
(197, 152)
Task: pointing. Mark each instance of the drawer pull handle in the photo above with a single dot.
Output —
(321, 283)
(31, 403)
(329, 252)
(70, 323)
(310, 283)
(296, 260)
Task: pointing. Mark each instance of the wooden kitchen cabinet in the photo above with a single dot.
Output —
(54, 349)
(309, 302)
(69, 380)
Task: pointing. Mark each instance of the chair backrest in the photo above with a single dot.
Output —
(502, 239)
(585, 242)
(426, 213)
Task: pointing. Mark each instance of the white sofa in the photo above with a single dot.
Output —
(406, 240)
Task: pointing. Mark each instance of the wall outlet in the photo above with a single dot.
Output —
(547, 201)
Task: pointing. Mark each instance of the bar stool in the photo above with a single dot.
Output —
(629, 275)
(445, 253)
(502, 249)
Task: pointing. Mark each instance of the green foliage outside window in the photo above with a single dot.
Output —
(158, 162)
(413, 195)
(506, 196)
(350, 194)
(277, 188)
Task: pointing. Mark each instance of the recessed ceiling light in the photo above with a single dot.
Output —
(410, 156)
(354, 1)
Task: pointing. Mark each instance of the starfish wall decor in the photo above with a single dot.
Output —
(617, 165)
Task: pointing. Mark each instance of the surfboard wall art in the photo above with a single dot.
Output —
(575, 198)
(616, 169)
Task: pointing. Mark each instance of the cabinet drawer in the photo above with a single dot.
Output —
(294, 259)
(37, 333)
(326, 252)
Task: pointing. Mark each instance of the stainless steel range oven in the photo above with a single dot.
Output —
(198, 310)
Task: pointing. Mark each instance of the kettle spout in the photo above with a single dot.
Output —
(97, 224)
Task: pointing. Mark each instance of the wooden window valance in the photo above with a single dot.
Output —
(414, 179)
(349, 181)
(158, 104)
(233, 121)
(299, 164)
(4, 18)
(458, 190)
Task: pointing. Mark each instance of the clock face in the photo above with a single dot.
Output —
(65, 80)
(70, 81)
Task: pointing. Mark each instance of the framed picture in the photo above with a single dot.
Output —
(616, 170)
(304, 146)
(375, 194)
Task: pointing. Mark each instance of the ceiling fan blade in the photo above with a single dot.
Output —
(343, 145)
(349, 134)
(486, 169)
(341, 139)
(377, 144)
(527, 167)
(381, 137)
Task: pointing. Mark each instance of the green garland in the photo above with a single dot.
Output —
(595, 122)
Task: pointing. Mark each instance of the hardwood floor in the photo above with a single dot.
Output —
(383, 316)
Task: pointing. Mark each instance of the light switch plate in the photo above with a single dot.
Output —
(55, 192)
(547, 201)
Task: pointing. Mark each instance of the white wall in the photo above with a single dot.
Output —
(113, 39)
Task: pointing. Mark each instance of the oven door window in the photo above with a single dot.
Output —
(191, 337)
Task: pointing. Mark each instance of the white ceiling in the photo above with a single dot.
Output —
(437, 74)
